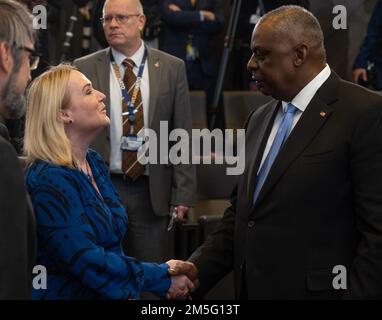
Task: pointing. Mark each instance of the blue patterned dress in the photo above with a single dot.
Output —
(80, 233)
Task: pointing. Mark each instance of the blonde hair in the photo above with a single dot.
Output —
(45, 137)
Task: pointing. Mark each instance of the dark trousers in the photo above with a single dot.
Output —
(198, 80)
(147, 237)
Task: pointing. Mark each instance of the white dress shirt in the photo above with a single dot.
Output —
(300, 101)
(116, 129)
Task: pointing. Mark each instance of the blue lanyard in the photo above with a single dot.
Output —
(130, 102)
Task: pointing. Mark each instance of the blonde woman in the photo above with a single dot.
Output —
(80, 218)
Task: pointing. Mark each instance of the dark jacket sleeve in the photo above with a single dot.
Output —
(214, 259)
(191, 18)
(15, 272)
(373, 36)
(364, 277)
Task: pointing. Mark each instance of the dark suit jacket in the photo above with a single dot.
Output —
(321, 205)
(169, 101)
(371, 47)
(17, 228)
(178, 25)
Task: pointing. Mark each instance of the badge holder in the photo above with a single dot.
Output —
(131, 142)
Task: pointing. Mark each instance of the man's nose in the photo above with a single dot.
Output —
(252, 63)
(113, 22)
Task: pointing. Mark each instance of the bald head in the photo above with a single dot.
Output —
(134, 3)
(297, 25)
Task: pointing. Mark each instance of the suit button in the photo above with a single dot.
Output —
(251, 224)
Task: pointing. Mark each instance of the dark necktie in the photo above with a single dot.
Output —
(130, 165)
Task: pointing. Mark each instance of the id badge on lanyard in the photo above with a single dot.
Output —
(131, 142)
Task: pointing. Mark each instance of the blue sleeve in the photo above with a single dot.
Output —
(70, 239)
(374, 32)
(152, 271)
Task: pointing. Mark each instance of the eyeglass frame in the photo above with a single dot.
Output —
(34, 57)
(118, 18)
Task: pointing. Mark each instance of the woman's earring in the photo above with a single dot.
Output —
(70, 121)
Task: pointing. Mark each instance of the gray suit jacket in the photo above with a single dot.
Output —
(169, 101)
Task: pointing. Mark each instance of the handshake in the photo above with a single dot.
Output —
(184, 279)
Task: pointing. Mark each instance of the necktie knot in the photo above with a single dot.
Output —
(128, 63)
(291, 108)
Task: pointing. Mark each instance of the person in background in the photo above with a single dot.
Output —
(150, 33)
(17, 230)
(154, 24)
(190, 33)
(371, 52)
(81, 220)
(149, 192)
(250, 13)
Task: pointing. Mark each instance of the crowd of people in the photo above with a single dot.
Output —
(82, 205)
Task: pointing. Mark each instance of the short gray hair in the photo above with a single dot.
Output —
(16, 27)
(298, 23)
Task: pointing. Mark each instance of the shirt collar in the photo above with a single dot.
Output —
(303, 98)
(137, 57)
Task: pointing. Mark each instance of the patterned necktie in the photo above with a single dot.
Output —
(281, 136)
(130, 165)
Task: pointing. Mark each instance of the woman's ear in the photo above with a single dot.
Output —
(66, 117)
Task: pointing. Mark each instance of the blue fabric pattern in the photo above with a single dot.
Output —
(79, 236)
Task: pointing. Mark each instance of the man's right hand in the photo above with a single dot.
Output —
(359, 72)
(180, 288)
(179, 267)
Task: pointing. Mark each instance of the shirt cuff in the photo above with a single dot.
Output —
(201, 16)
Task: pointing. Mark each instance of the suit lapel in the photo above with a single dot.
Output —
(256, 145)
(155, 70)
(311, 121)
(102, 70)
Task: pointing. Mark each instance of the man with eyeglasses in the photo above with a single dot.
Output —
(148, 192)
(17, 232)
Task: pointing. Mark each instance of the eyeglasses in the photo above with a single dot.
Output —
(34, 57)
(119, 18)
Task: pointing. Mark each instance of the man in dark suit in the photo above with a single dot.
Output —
(310, 198)
(164, 96)
(191, 30)
(17, 233)
(371, 51)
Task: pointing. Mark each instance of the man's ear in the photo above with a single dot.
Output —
(65, 116)
(6, 59)
(142, 22)
(301, 52)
